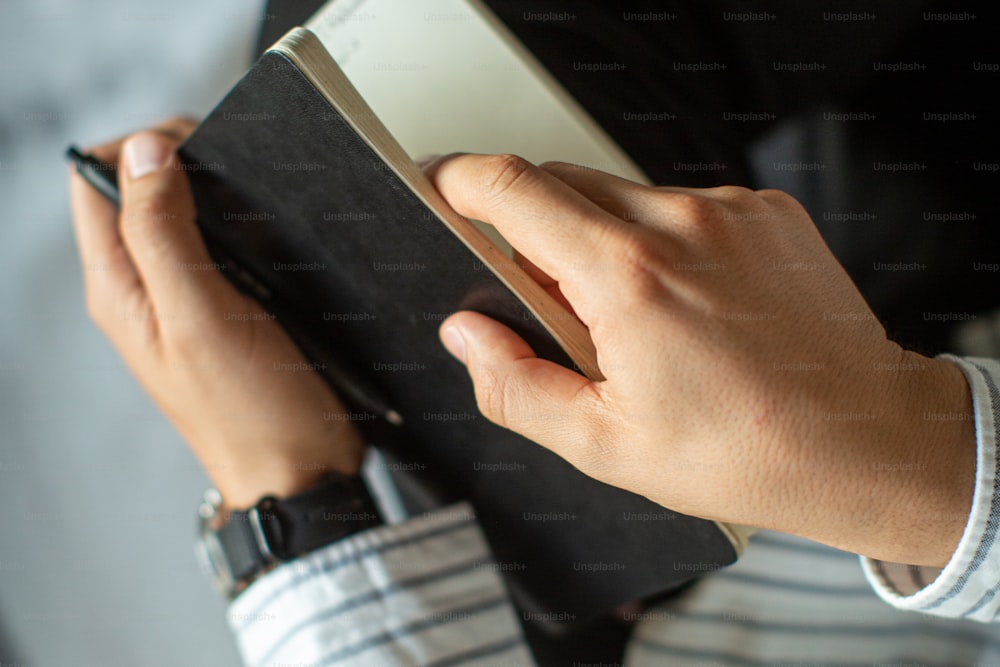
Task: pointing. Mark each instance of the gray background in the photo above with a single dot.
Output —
(97, 491)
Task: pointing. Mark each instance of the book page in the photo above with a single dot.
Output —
(446, 76)
(314, 60)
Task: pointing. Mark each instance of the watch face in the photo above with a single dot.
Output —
(212, 558)
(234, 549)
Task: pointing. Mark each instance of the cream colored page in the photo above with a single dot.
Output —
(442, 78)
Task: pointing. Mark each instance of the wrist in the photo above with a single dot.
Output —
(248, 456)
(238, 546)
(244, 480)
(902, 486)
(926, 518)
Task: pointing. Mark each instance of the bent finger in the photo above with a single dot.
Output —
(539, 399)
(557, 228)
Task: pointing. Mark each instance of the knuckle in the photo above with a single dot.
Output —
(771, 194)
(705, 221)
(694, 210)
(639, 266)
(779, 199)
(503, 174)
(143, 221)
(736, 194)
(148, 211)
(504, 398)
(491, 395)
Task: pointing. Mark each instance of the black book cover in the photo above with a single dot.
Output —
(356, 267)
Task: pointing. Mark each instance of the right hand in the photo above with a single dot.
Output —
(217, 364)
(747, 379)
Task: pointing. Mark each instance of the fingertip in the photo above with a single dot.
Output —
(512, 385)
(145, 153)
(432, 165)
(482, 339)
(453, 341)
(464, 329)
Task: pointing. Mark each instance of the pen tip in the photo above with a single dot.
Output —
(394, 418)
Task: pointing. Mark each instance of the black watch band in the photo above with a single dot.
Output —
(275, 530)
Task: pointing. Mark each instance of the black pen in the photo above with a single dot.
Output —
(104, 178)
(101, 175)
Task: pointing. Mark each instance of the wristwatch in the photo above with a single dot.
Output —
(236, 547)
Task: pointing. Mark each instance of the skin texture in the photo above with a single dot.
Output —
(211, 358)
(747, 380)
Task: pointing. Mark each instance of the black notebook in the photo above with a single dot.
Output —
(316, 211)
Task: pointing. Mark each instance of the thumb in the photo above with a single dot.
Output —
(539, 399)
(158, 225)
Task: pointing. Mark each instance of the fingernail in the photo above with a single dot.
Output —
(145, 153)
(425, 160)
(454, 342)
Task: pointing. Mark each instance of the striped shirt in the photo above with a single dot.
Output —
(426, 592)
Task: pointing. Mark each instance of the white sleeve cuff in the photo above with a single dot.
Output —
(967, 586)
(419, 592)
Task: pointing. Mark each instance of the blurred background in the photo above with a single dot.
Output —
(98, 492)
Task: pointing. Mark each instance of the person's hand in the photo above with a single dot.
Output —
(216, 363)
(746, 379)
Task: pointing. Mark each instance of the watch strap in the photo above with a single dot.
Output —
(282, 529)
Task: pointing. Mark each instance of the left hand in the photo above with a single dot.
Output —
(218, 365)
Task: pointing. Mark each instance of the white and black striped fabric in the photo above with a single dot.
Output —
(426, 592)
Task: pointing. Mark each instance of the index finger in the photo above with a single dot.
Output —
(555, 227)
